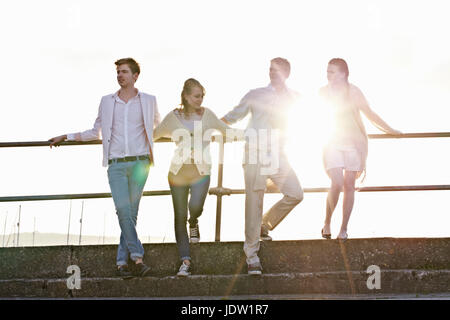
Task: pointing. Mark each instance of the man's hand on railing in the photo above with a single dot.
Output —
(395, 132)
(56, 141)
(271, 187)
(220, 191)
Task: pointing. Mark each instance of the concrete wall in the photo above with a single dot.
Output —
(226, 258)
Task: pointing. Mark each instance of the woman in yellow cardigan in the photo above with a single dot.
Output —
(191, 128)
(346, 152)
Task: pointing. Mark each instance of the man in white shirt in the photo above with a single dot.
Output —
(265, 158)
(125, 122)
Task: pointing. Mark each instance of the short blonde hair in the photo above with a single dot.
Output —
(284, 64)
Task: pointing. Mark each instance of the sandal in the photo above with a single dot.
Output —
(325, 236)
(343, 238)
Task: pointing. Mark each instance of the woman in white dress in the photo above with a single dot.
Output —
(346, 151)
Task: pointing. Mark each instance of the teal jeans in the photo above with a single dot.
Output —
(127, 180)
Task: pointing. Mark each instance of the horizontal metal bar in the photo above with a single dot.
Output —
(410, 135)
(46, 143)
(227, 192)
(65, 143)
(93, 142)
(405, 188)
(75, 196)
(214, 191)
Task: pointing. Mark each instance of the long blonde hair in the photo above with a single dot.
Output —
(189, 84)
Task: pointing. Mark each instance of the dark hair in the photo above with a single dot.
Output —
(341, 64)
(134, 66)
(187, 88)
(284, 64)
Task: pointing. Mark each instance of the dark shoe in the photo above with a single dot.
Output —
(140, 269)
(124, 272)
(265, 233)
(194, 234)
(254, 269)
(326, 236)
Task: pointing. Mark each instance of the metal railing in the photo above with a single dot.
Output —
(218, 191)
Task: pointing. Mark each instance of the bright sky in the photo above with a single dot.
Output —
(58, 60)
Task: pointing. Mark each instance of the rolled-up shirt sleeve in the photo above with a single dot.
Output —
(231, 134)
(240, 111)
(72, 136)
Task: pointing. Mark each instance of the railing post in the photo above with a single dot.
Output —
(68, 224)
(81, 222)
(18, 226)
(219, 195)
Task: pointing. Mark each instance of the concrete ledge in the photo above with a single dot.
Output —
(347, 283)
(227, 258)
(34, 262)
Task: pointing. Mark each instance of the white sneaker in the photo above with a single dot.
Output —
(254, 269)
(184, 270)
(194, 234)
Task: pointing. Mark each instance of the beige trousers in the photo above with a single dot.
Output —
(286, 180)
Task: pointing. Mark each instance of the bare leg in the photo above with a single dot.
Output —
(337, 182)
(349, 199)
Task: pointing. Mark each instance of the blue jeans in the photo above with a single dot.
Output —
(127, 180)
(199, 190)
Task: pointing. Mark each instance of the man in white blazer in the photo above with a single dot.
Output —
(125, 122)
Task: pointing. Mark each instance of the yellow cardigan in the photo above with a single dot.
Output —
(193, 145)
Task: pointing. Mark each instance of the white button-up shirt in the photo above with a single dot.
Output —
(268, 108)
(128, 131)
(128, 136)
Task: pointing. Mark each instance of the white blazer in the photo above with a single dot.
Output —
(103, 124)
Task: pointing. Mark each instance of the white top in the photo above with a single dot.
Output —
(188, 121)
(193, 145)
(128, 132)
(348, 132)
